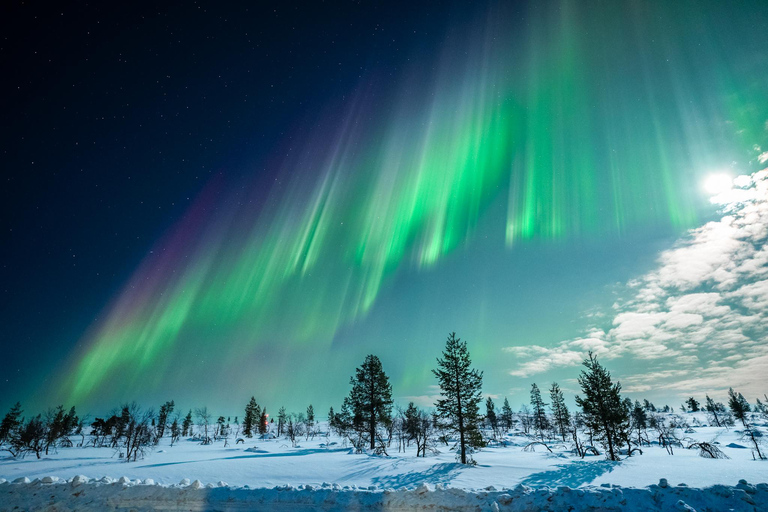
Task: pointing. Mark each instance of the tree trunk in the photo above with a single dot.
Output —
(461, 420)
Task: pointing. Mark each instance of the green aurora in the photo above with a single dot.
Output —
(564, 123)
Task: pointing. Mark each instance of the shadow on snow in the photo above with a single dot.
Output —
(573, 474)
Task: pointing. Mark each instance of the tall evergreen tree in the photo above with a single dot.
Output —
(560, 414)
(371, 397)
(604, 411)
(460, 388)
(540, 420)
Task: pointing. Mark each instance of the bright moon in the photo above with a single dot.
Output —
(718, 183)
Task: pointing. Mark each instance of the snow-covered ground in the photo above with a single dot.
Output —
(329, 467)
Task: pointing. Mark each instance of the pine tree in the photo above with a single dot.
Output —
(507, 418)
(371, 398)
(411, 421)
(186, 425)
(604, 411)
(692, 404)
(310, 418)
(460, 387)
(639, 421)
(560, 412)
(175, 430)
(490, 415)
(11, 424)
(540, 420)
(162, 418)
(331, 418)
(251, 418)
(281, 417)
(715, 411)
(263, 422)
(739, 406)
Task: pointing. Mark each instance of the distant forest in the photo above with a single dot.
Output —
(605, 422)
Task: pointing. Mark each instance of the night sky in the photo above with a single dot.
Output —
(206, 202)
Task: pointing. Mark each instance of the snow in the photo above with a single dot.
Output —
(98, 495)
(324, 473)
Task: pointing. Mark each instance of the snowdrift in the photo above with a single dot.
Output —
(80, 493)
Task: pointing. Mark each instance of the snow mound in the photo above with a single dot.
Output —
(99, 495)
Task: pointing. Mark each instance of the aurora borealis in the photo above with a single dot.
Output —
(451, 187)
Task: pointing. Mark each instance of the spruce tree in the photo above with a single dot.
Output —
(603, 408)
(460, 388)
(370, 398)
(490, 414)
(639, 421)
(162, 418)
(251, 418)
(310, 418)
(739, 407)
(281, 419)
(331, 419)
(263, 422)
(11, 424)
(506, 415)
(411, 421)
(186, 424)
(714, 409)
(560, 414)
(540, 420)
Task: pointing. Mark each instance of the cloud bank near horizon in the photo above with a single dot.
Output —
(698, 320)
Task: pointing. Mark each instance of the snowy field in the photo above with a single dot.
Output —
(324, 473)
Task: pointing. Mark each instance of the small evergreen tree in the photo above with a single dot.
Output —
(560, 414)
(604, 411)
(460, 388)
(310, 421)
(331, 419)
(490, 415)
(186, 425)
(715, 410)
(10, 425)
(175, 430)
(264, 422)
(251, 418)
(739, 406)
(281, 419)
(162, 418)
(639, 420)
(411, 421)
(692, 404)
(507, 418)
(540, 420)
(371, 398)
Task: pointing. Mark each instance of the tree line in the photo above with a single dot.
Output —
(369, 420)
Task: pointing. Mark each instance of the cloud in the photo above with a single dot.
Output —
(698, 320)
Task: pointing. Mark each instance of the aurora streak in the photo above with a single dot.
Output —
(574, 122)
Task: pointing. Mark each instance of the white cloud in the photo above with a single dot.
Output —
(699, 317)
